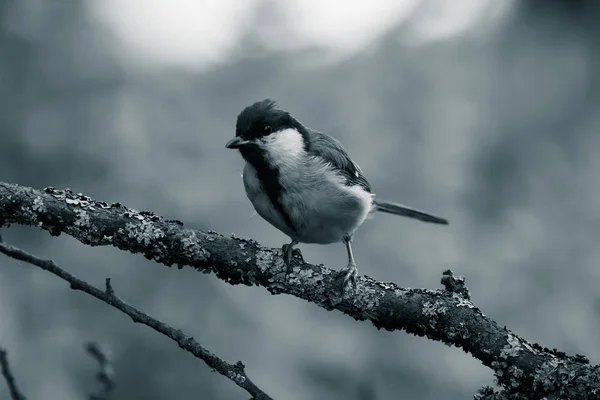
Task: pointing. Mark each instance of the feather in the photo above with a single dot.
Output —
(331, 150)
(399, 209)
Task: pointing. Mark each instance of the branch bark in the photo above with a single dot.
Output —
(524, 370)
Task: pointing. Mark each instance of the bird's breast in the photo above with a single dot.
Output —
(315, 199)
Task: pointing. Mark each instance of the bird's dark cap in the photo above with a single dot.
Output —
(261, 118)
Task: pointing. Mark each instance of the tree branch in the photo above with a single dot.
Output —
(105, 375)
(235, 373)
(15, 393)
(446, 315)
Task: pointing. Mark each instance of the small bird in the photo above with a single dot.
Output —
(304, 183)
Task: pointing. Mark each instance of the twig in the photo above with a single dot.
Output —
(106, 374)
(236, 372)
(446, 315)
(15, 393)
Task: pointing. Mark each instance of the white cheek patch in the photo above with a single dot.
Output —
(284, 147)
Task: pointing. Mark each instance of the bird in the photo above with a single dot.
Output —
(304, 183)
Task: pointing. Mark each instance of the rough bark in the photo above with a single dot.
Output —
(524, 370)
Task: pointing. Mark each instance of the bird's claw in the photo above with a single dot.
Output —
(289, 253)
(348, 276)
(296, 253)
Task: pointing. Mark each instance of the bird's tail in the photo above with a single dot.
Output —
(399, 209)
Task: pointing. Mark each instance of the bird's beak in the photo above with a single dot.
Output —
(236, 142)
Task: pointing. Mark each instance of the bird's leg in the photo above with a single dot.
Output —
(350, 272)
(288, 254)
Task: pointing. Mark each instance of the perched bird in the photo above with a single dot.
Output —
(304, 183)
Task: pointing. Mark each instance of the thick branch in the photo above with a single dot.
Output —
(15, 393)
(443, 315)
(235, 373)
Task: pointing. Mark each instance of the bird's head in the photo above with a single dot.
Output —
(266, 132)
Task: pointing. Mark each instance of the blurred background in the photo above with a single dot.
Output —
(481, 111)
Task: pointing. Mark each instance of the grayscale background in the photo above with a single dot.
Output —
(482, 111)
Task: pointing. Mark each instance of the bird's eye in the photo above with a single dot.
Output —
(267, 129)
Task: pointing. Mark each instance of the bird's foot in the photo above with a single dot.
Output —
(289, 253)
(348, 277)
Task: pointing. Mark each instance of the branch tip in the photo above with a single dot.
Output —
(456, 285)
(108, 287)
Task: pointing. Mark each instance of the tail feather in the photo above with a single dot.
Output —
(399, 209)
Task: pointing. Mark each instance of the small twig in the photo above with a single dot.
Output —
(106, 374)
(236, 372)
(108, 287)
(15, 394)
(456, 285)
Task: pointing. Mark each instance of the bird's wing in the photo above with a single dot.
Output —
(332, 151)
